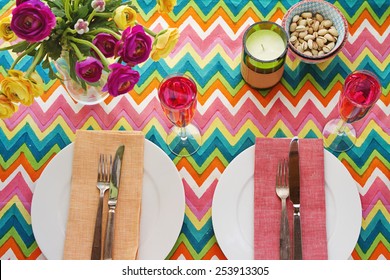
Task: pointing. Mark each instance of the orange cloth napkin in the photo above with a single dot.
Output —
(84, 196)
(267, 205)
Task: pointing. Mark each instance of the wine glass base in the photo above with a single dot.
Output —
(185, 141)
(339, 136)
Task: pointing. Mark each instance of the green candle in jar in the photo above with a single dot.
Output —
(265, 45)
(263, 54)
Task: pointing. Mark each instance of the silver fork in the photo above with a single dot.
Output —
(103, 184)
(282, 190)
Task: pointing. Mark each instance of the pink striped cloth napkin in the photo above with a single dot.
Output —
(267, 205)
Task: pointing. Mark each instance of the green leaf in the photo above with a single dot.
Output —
(20, 47)
(85, 50)
(53, 48)
(32, 53)
(83, 84)
(46, 63)
(103, 23)
(53, 3)
(82, 12)
(96, 84)
(58, 12)
(72, 65)
(52, 74)
(112, 5)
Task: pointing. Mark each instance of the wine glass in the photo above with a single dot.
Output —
(360, 92)
(177, 94)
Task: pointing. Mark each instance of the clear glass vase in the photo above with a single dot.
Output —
(88, 96)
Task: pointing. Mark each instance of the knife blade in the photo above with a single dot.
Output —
(112, 202)
(294, 185)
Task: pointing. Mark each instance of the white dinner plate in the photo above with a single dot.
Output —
(163, 204)
(232, 209)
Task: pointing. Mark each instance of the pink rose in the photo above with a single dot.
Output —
(135, 45)
(121, 80)
(90, 69)
(105, 43)
(32, 21)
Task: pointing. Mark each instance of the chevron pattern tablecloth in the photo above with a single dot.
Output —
(230, 115)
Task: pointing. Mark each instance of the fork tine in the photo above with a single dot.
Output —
(286, 172)
(281, 175)
(284, 178)
(287, 184)
(105, 168)
(100, 168)
(109, 169)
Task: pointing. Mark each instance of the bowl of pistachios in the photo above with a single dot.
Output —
(316, 29)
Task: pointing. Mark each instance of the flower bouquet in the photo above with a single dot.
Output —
(90, 43)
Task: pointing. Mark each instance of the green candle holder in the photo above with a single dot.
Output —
(264, 54)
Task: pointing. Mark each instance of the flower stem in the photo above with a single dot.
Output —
(106, 15)
(67, 9)
(105, 30)
(91, 15)
(150, 32)
(92, 46)
(79, 55)
(24, 53)
(69, 30)
(10, 47)
(37, 59)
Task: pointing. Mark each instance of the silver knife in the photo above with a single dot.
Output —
(112, 201)
(294, 184)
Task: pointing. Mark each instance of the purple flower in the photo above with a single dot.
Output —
(121, 79)
(135, 45)
(18, 2)
(105, 43)
(32, 21)
(98, 5)
(90, 69)
(81, 26)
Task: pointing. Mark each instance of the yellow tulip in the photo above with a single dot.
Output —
(6, 32)
(164, 43)
(17, 89)
(165, 6)
(36, 84)
(124, 17)
(7, 108)
(15, 73)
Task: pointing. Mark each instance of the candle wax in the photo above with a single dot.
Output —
(265, 45)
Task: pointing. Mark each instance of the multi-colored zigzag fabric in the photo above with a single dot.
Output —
(230, 115)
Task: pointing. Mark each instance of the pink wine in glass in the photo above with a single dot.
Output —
(178, 98)
(361, 91)
(177, 94)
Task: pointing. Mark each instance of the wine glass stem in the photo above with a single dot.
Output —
(341, 126)
(183, 133)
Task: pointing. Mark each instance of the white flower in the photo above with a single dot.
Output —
(81, 26)
(98, 5)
